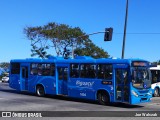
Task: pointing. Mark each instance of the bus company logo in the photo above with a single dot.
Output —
(145, 86)
(88, 84)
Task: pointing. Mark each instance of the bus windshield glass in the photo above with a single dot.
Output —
(140, 77)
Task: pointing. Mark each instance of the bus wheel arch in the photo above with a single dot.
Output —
(40, 90)
(156, 92)
(103, 97)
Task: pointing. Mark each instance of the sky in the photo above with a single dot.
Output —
(143, 26)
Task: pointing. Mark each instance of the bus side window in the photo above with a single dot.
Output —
(52, 70)
(39, 69)
(104, 71)
(46, 69)
(158, 76)
(108, 72)
(155, 80)
(100, 71)
(34, 70)
(83, 71)
(74, 70)
(88, 71)
(91, 71)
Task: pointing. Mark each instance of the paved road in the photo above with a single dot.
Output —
(12, 100)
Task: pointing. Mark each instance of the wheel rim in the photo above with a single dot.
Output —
(156, 92)
(40, 91)
(103, 98)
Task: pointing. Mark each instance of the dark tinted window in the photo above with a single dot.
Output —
(62, 73)
(43, 69)
(104, 71)
(15, 68)
(34, 69)
(74, 73)
(87, 71)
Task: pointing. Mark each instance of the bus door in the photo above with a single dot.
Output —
(63, 80)
(24, 78)
(121, 85)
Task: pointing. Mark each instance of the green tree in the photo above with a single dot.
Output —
(62, 39)
(90, 49)
(4, 65)
(157, 63)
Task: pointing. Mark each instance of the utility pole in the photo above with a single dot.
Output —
(125, 27)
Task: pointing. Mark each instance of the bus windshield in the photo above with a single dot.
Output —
(140, 77)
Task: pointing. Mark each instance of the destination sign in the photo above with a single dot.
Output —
(139, 64)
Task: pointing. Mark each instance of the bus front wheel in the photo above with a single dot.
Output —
(156, 92)
(40, 91)
(103, 98)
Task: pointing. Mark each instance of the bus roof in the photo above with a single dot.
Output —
(32, 60)
(78, 59)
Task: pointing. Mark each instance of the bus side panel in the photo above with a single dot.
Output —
(88, 88)
(79, 88)
(78, 92)
(104, 85)
(32, 83)
(14, 81)
(48, 83)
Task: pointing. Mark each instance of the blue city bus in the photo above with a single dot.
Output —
(104, 80)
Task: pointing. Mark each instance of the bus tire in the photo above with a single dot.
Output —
(103, 98)
(156, 92)
(40, 91)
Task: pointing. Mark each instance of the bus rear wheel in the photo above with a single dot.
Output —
(40, 91)
(156, 92)
(103, 98)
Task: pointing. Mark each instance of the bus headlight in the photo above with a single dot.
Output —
(134, 93)
(150, 92)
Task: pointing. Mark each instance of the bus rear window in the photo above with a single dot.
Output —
(15, 68)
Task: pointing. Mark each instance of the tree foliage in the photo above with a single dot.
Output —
(4, 65)
(90, 49)
(157, 62)
(62, 39)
